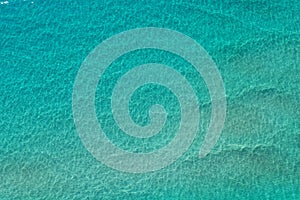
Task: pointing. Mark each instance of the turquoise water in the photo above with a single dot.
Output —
(255, 45)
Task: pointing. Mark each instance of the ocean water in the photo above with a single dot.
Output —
(256, 47)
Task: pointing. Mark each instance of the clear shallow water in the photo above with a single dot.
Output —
(255, 45)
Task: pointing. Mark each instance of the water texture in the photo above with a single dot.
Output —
(256, 47)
